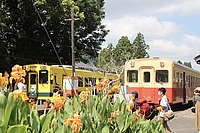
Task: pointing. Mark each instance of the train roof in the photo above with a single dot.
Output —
(80, 68)
(186, 67)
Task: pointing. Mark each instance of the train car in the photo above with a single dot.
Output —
(148, 74)
(40, 79)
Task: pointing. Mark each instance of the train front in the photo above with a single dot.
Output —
(38, 81)
(147, 75)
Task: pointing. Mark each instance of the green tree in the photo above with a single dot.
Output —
(124, 50)
(105, 57)
(5, 46)
(179, 61)
(140, 47)
(113, 60)
(188, 64)
(27, 41)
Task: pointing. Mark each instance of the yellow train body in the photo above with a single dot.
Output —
(40, 79)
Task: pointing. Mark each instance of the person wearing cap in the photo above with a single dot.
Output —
(196, 102)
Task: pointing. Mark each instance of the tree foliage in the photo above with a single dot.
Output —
(179, 61)
(113, 58)
(140, 47)
(24, 40)
(188, 64)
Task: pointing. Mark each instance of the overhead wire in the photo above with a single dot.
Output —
(50, 40)
(28, 59)
(25, 37)
(43, 24)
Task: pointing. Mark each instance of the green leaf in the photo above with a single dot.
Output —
(105, 129)
(17, 129)
(77, 104)
(8, 109)
(120, 121)
(129, 119)
(35, 122)
(68, 106)
(14, 114)
(45, 121)
(3, 100)
(61, 129)
(144, 122)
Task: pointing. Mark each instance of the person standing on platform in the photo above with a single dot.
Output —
(20, 86)
(163, 108)
(196, 102)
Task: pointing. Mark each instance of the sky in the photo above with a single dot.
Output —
(170, 27)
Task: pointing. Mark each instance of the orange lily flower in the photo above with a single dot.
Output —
(57, 102)
(115, 88)
(114, 114)
(18, 73)
(74, 123)
(18, 94)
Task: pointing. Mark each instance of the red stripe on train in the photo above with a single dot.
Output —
(175, 95)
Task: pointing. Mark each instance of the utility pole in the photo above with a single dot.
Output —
(72, 42)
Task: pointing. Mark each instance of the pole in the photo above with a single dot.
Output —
(72, 42)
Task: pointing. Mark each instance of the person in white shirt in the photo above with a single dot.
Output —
(164, 105)
(20, 86)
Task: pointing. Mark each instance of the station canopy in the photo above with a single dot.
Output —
(197, 59)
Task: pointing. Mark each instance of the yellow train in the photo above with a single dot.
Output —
(40, 79)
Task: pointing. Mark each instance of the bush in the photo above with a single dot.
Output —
(95, 115)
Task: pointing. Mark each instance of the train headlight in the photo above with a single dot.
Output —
(162, 64)
(132, 64)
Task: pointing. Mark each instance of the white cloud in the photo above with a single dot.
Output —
(117, 8)
(185, 7)
(176, 50)
(191, 40)
(169, 38)
(147, 25)
(169, 49)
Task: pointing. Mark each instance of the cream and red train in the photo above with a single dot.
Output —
(148, 74)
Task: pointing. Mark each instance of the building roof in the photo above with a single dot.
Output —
(197, 59)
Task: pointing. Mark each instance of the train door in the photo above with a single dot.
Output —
(147, 82)
(184, 88)
(32, 87)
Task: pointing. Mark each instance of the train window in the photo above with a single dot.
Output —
(198, 81)
(189, 81)
(177, 79)
(132, 76)
(43, 77)
(80, 81)
(93, 81)
(51, 79)
(100, 79)
(181, 80)
(162, 76)
(192, 81)
(55, 81)
(90, 82)
(87, 82)
(146, 76)
(33, 79)
(111, 84)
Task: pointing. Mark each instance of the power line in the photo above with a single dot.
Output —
(28, 59)
(25, 37)
(43, 24)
